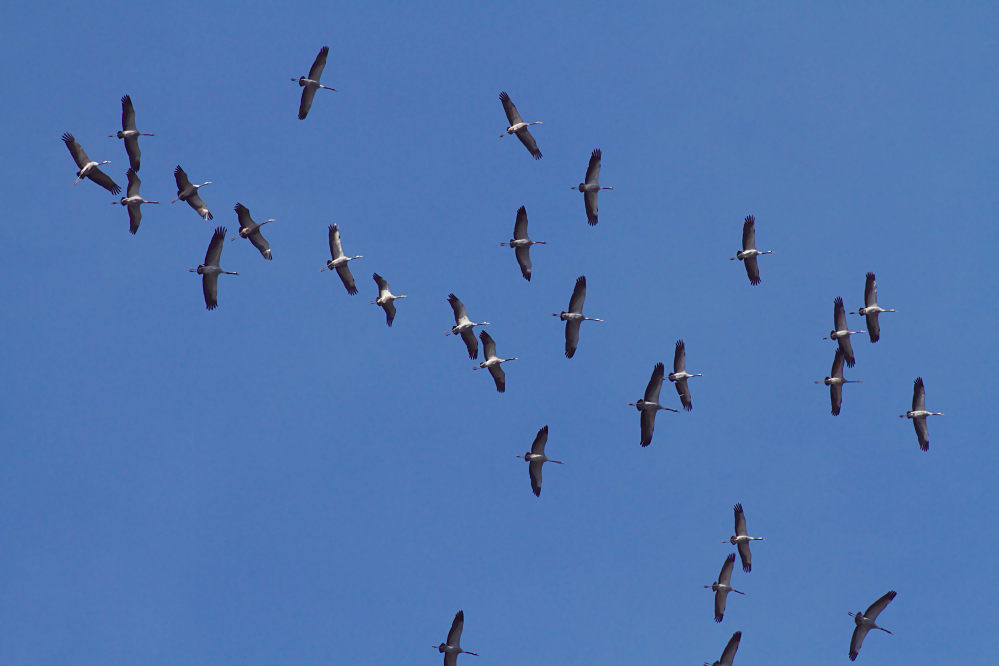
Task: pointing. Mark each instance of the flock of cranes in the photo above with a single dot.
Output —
(648, 406)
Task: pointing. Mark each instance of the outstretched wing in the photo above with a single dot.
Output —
(520, 226)
(316, 70)
(538, 446)
(836, 397)
(523, 254)
(655, 383)
(183, 182)
(134, 154)
(214, 253)
(210, 285)
(870, 291)
(752, 269)
(590, 204)
(499, 377)
(127, 114)
(134, 217)
(680, 357)
(488, 345)
(534, 469)
(459, 310)
(847, 348)
(683, 390)
(749, 233)
(336, 249)
(745, 556)
(471, 344)
(918, 395)
(454, 635)
(740, 520)
(578, 295)
(922, 433)
(308, 94)
(593, 168)
(571, 337)
(511, 111)
(857, 640)
(527, 139)
(103, 180)
(75, 149)
(873, 327)
(261, 244)
(875, 609)
(648, 424)
(343, 270)
(839, 316)
(197, 203)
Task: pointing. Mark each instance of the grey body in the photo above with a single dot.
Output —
(741, 539)
(723, 586)
(385, 298)
(452, 648)
(918, 414)
(250, 229)
(871, 309)
(841, 334)
(493, 362)
(728, 654)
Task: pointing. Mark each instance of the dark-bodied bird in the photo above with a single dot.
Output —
(250, 229)
(680, 375)
(741, 539)
(463, 326)
(649, 405)
(339, 261)
(87, 167)
(493, 362)
(728, 654)
(918, 414)
(748, 253)
(871, 309)
(519, 127)
(521, 243)
(536, 457)
(311, 83)
(866, 621)
(835, 382)
(841, 334)
(210, 270)
(385, 298)
(574, 317)
(133, 200)
(723, 586)
(186, 191)
(129, 133)
(452, 648)
(591, 187)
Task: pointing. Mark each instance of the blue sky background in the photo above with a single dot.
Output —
(286, 480)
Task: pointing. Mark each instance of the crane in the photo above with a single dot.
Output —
(519, 127)
(649, 405)
(918, 414)
(87, 167)
(385, 298)
(133, 200)
(841, 334)
(866, 621)
(339, 261)
(463, 326)
(186, 191)
(741, 539)
(723, 586)
(521, 243)
(452, 648)
(728, 654)
(129, 133)
(493, 362)
(210, 270)
(871, 309)
(574, 317)
(311, 82)
(748, 253)
(591, 186)
(536, 458)
(250, 229)
(680, 375)
(835, 382)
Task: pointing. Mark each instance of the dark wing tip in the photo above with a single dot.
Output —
(581, 280)
(324, 50)
(522, 210)
(596, 153)
(126, 99)
(593, 223)
(537, 492)
(177, 171)
(210, 216)
(750, 219)
(659, 367)
(238, 206)
(838, 301)
(754, 281)
(68, 138)
(747, 568)
(536, 155)
(569, 354)
(503, 96)
(679, 344)
(738, 507)
(870, 275)
(918, 382)
(730, 558)
(352, 290)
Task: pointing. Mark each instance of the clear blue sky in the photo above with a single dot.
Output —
(286, 480)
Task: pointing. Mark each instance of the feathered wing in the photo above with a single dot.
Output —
(132, 190)
(918, 395)
(127, 114)
(571, 337)
(183, 182)
(728, 655)
(308, 94)
(343, 270)
(857, 640)
(836, 397)
(534, 469)
(749, 233)
(134, 217)
(578, 295)
(873, 327)
(316, 71)
(214, 253)
(499, 377)
(752, 270)
(590, 204)
(745, 556)
(134, 154)
(875, 609)
(520, 226)
(870, 291)
(471, 344)
(527, 139)
(839, 315)
(261, 244)
(488, 345)
(198, 204)
(459, 309)
(510, 109)
(655, 384)
(389, 308)
(336, 247)
(523, 254)
(76, 150)
(648, 425)
(847, 348)
(103, 180)
(720, 598)
(922, 433)
(210, 286)
(538, 446)
(593, 168)
(684, 392)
